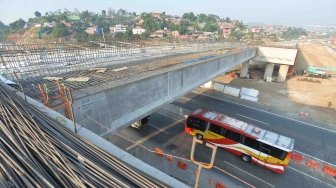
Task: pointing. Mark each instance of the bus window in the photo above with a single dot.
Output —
(232, 135)
(275, 152)
(252, 143)
(217, 129)
(196, 123)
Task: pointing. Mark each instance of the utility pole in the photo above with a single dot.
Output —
(201, 164)
(103, 36)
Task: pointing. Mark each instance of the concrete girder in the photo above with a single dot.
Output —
(106, 108)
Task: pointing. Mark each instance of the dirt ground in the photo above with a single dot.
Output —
(299, 97)
(318, 55)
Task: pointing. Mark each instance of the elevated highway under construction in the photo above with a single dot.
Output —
(114, 85)
(108, 88)
(60, 75)
(104, 88)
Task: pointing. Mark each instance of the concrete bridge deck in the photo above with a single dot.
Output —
(108, 106)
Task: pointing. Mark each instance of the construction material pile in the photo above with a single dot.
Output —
(36, 151)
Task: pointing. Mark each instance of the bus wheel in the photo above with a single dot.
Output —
(246, 158)
(199, 136)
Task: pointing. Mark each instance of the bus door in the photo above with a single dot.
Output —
(266, 151)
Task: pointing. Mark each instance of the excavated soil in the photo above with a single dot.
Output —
(300, 97)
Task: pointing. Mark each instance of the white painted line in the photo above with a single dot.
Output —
(249, 174)
(252, 119)
(310, 176)
(144, 139)
(151, 125)
(265, 112)
(186, 98)
(234, 176)
(315, 158)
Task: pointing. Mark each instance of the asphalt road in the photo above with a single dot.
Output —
(165, 131)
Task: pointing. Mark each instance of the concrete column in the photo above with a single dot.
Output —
(269, 70)
(244, 70)
(282, 73)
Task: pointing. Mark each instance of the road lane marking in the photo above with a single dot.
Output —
(310, 176)
(315, 158)
(144, 139)
(249, 174)
(234, 176)
(252, 119)
(151, 125)
(187, 98)
(265, 112)
(265, 181)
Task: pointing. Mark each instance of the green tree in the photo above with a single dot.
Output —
(60, 31)
(37, 14)
(195, 26)
(103, 13)
(129, 34)
(189, 16)
(183, 30)
(121, 12)
(202, 17)
(110, 12)
(145, 35)
(293, 33)
(211, 27)
(214, 16)
(18, 24)
(163, 15)
(149, 22)
(119, 36)
(237, 34)
(227, 19)
(81, 36)
(3, 29)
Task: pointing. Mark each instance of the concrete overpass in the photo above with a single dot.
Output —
(107, 107)
(284, 57)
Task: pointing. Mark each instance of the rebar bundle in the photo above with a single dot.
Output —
(37, 151)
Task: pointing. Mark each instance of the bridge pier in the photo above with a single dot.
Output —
(268, 70)
(244, 70)
(282, 73)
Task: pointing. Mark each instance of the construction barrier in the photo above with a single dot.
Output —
(230, 90)
(313, 164)
(329, 170)
(304, 114)
(169, 158)
(297, 157)
(158, 151)
(211, 181)
(220, 185)
(182, 165)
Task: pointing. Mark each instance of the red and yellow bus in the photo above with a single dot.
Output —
(251, 143)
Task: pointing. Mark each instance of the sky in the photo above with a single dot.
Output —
(284, 12)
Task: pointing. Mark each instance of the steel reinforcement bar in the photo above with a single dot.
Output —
(37, 151)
